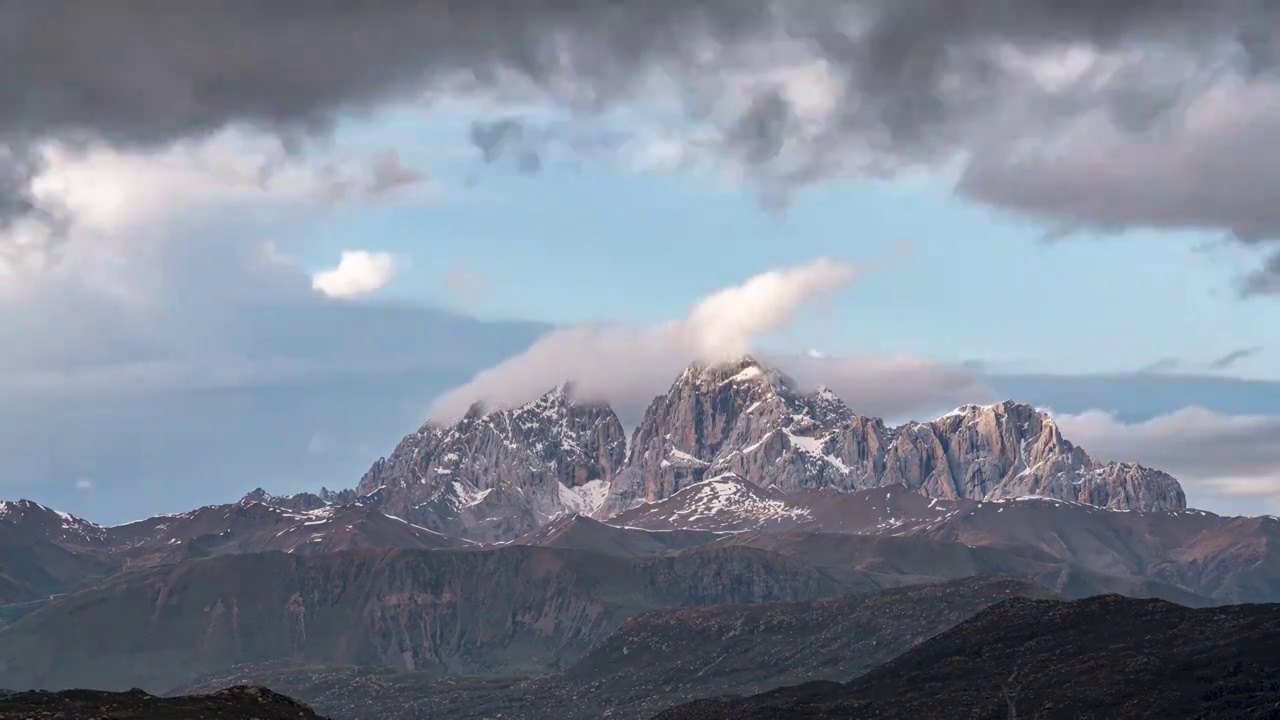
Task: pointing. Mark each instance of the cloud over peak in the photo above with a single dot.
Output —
(628, 365)
(724, 324)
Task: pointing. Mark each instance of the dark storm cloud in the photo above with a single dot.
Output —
(760, 133)
(918, 79)
(145, 71)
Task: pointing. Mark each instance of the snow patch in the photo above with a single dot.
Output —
(467, 495)
(584, 499)
(813, 446)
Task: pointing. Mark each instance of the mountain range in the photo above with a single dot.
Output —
(539, 556)
(493, 476)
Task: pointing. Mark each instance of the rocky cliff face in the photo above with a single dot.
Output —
(456, 611)
(497, 475)
(740, 418)
(750, 421)
(998, 451)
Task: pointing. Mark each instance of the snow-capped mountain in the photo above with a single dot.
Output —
(752, 421)
(498, 475)
(36, 520)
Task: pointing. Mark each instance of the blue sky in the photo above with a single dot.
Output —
(596, 240)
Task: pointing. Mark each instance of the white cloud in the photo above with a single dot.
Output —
(1212, 454)
(897, 388)
(627, 365)
(84, 484)
(724, 324)
(359, 272)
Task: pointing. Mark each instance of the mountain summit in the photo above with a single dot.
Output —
(495, 475)
(499, 474)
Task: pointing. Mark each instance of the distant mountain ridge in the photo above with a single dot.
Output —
(494, 476)
(45, 552)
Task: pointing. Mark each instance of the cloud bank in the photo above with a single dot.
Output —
(628, 366)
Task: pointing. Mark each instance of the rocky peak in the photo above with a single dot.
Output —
(749, 420)
(1009, 449)
(300, 502)
(542, 458)
(513, 470)
(740, 417)
(32, 518)
(744, 370)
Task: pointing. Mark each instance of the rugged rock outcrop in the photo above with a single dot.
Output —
(742, 418)
(301, 502)
(1002, 451)
(751, 421)
(494, 476)
(497, 475)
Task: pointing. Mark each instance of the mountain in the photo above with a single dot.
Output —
(497, 475)
(752, 421)
(660, 658)
(233, 702)
(1230, 559)
(494, 476)
(254, 526)
(505, 610)
(44, 552)
(1102, 657)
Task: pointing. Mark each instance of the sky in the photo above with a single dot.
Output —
(258, 254)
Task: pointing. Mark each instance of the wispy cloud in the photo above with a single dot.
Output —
(1226, 361)
(627, 365)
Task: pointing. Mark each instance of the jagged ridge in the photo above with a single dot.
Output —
(497, 475)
